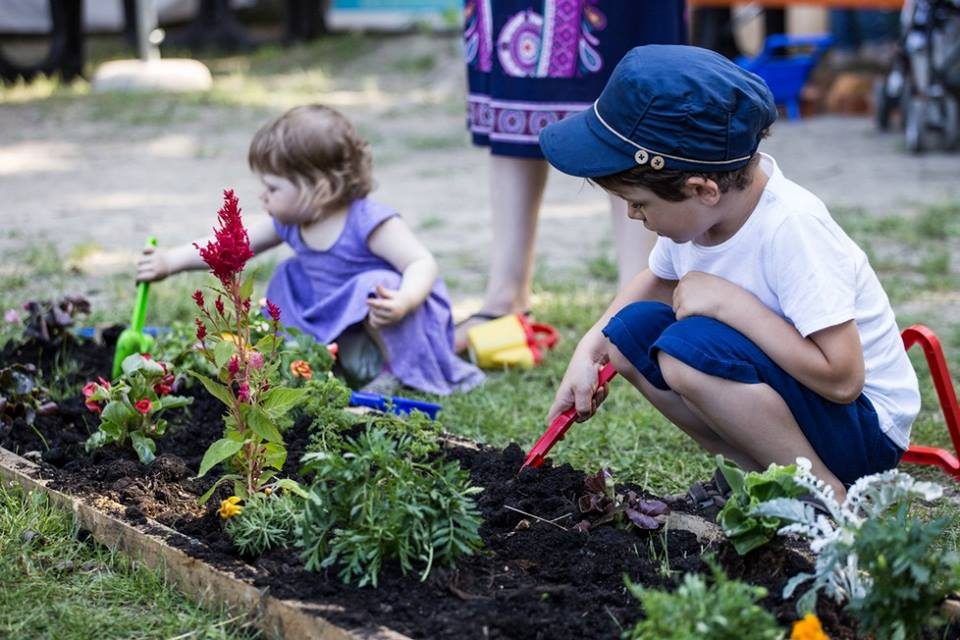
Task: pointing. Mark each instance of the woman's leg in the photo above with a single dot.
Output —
(752, 418)
(516, 191)
(632, 241)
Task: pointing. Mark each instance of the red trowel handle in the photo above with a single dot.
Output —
(558, 428)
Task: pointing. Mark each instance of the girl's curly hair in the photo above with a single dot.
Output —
(318, 150)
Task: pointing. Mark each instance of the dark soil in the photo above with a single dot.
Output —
(533, 579)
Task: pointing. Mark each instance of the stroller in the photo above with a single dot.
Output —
(924, 82)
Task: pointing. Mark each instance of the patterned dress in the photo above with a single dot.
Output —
(533, 62)
(323, 293)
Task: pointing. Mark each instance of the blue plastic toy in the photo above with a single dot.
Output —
(785, 64)
(399, 405)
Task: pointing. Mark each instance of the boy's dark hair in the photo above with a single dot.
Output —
(320, 151)
(669, 184)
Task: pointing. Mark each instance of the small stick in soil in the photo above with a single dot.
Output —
(530, 515)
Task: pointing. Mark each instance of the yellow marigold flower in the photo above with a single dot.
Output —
(808, 629)
(301, 369)
(230, 508)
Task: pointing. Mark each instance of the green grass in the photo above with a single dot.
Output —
(56, 587)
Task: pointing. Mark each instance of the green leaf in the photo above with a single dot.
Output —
(118, 412)
(209, 492)
(263, 425)
(275, 455)
(279, 400)
(174, 402)
(144, 446)
(217, 390)
(96, 441)
(223, 352)
(246, 288)
(218, 452)
(292, 486)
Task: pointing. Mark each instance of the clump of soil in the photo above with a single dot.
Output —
(534, 578)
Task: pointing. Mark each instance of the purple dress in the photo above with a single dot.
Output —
(324, 292)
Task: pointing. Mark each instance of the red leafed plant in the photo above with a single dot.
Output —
(248, 381)
(602, 504)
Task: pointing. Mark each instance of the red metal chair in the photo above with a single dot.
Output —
(917, 454)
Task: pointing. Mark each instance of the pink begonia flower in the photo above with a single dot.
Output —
(143, 406)
(12, 316)
(255, 360)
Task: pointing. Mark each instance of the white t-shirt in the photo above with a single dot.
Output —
(798, 261)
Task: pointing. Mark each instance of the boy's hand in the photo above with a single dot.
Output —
(579, 386)
(389, 307)
(702, 294)
(152, 265)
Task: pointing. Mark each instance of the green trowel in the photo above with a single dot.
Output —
(133, 339)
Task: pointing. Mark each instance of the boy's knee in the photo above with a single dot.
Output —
(676, 373)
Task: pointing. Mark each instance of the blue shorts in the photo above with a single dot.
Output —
(847, 437)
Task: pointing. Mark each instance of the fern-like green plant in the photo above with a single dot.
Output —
(375, 501)
(908, 575)
(722, 609)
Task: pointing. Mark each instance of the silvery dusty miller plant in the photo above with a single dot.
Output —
(837, 569)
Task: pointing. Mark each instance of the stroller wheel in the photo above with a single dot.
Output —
(951, 123)
(882, 105)
(916, 122)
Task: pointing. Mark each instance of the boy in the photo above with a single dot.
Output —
(759, 327)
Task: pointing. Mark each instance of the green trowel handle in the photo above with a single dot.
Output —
(140, 307)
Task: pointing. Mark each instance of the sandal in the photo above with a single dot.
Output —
(460, 328)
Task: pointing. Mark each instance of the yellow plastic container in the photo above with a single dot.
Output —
(510, 341)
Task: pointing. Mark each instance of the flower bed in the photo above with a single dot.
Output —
(534, 577)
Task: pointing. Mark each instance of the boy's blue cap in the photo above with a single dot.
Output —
(669, 106)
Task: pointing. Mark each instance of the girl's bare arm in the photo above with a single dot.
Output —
(395, 242)
(156, 264)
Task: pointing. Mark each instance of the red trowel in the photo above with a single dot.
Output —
(558, 428)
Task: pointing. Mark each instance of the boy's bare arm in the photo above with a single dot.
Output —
(579, 385)
(156, 264)
(829, 361)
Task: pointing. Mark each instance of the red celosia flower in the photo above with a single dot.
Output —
(274, 311)
(218, 303)
(143, 406)
(198, 298)
(227, 254)
(201, 329)
(246, 305)
(243, 392)
(301, 369)
(146, 356)
(233, 366)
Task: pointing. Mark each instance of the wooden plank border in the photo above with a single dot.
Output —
(287, 619)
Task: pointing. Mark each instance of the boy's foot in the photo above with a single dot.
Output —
(384, 384)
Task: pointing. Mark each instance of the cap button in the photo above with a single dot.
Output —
(657, 162)
(641, 156)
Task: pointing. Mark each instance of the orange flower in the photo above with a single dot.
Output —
(301, 369)
(230, 508)
(808, 629)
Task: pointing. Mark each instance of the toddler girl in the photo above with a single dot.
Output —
(358, 269)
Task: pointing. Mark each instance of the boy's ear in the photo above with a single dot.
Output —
(705, 190)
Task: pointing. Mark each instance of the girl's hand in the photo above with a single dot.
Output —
(579, 386)
(389, 307)
(152, 265)
(702, 294)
